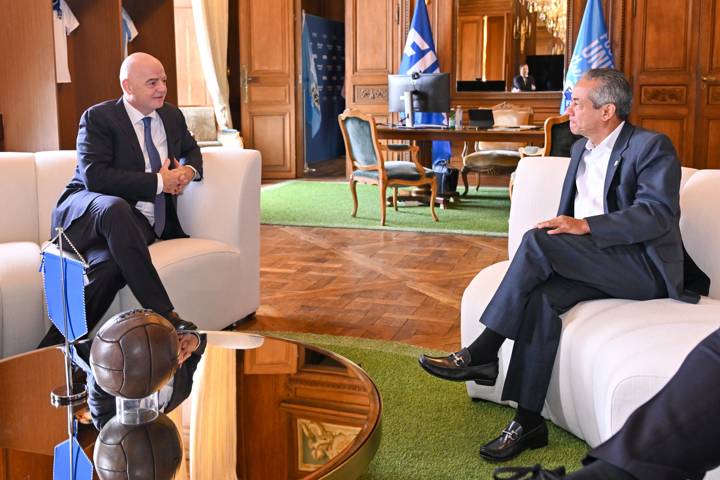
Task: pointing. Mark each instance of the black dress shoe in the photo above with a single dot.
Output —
(180, 324)
(455, 367)
(513, 441)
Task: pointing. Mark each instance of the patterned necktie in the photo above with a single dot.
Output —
(155, 165)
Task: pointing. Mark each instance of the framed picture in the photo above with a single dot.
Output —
(319, 442)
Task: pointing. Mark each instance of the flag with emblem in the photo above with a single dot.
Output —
(592, 50)
(419, 56)
(323, 78)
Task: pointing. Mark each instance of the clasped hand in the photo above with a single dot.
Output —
(565, 224)
(176, 179)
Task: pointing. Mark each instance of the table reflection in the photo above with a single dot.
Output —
(298, 411)
(280, 410)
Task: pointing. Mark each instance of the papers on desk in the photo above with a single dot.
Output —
(422, 126)
(499, 128)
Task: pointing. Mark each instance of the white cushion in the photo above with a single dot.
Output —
(22, 323)
(205, 279)
(54, 171)
(18, 196)
(700, 223)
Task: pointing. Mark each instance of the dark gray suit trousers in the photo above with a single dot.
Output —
(548, 275)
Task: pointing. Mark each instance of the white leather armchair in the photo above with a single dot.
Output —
(213, 278)
(614, 354)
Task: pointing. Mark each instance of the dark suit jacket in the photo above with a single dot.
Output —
(642, 203)
(110, 162)
(102, 404)
(523, 85)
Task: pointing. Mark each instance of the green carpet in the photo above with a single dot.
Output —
(430, 428)
(329, 204)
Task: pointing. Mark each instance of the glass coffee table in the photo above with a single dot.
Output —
(285, 410)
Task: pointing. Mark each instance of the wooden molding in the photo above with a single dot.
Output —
(663, 94)
(370, 94)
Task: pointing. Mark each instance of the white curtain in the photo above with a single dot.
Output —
(213, 426)
(211, 30)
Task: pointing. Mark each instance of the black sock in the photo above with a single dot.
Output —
(599, 470)
(485, 347)
(528, 418)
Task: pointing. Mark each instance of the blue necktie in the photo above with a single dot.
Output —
(155, 165)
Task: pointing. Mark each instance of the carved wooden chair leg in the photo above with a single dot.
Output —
(477, 185)
(464, 175)
(383, 201)
(433, 192)
(395, 198)
(354, 196)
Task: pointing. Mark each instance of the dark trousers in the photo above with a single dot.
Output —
(674, 436)
(114, 237)
(548, 275)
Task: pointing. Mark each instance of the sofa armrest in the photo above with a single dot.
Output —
(225, 204)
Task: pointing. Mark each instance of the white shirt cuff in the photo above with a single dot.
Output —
(160, 184)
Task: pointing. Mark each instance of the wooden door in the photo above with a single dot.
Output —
(663, 70)
(707, 140)
(372, 51)
(267, 63)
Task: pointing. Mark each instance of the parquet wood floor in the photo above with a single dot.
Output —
(385, 285)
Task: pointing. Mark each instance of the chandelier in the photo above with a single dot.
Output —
(553, 13)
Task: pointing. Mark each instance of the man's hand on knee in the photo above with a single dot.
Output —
(565, 224)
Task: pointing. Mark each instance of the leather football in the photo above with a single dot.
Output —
(149, 451)
(134, 354)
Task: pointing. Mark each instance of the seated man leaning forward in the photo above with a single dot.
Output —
(616, 235)
(134, 156)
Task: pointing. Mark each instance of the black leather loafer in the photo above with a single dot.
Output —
(454, 368)
(513, 441)
(180, 324)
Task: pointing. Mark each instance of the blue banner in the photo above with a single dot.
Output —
(323, 78)
(592, 49)
(72, 306)
(419, 56)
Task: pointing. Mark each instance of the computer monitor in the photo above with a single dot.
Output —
(547, 70)
(481, 86)
(431, 92)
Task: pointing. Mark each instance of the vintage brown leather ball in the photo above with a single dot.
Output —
(149, 451)
(134, 354)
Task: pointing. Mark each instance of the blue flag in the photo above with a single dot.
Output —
(419, 56)
(313, 113)
(592, 50)
(323, 77)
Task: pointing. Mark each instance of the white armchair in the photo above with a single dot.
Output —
(614, 354)
(213, 278)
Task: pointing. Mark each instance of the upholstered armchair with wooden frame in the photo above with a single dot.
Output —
(494, 158)
(366, 158)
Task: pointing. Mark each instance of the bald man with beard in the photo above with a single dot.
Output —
(134, 156)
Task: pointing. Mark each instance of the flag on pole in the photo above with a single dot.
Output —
(419, 56)
(313, 112)
(592, 49)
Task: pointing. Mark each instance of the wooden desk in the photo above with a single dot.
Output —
(532, 137)
(425, 136)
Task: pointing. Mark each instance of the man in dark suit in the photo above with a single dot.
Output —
(135, 155)
(524, 82)
(616, 235)
(102, 404)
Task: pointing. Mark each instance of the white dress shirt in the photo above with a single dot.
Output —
(159, 138)
(590, 177)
